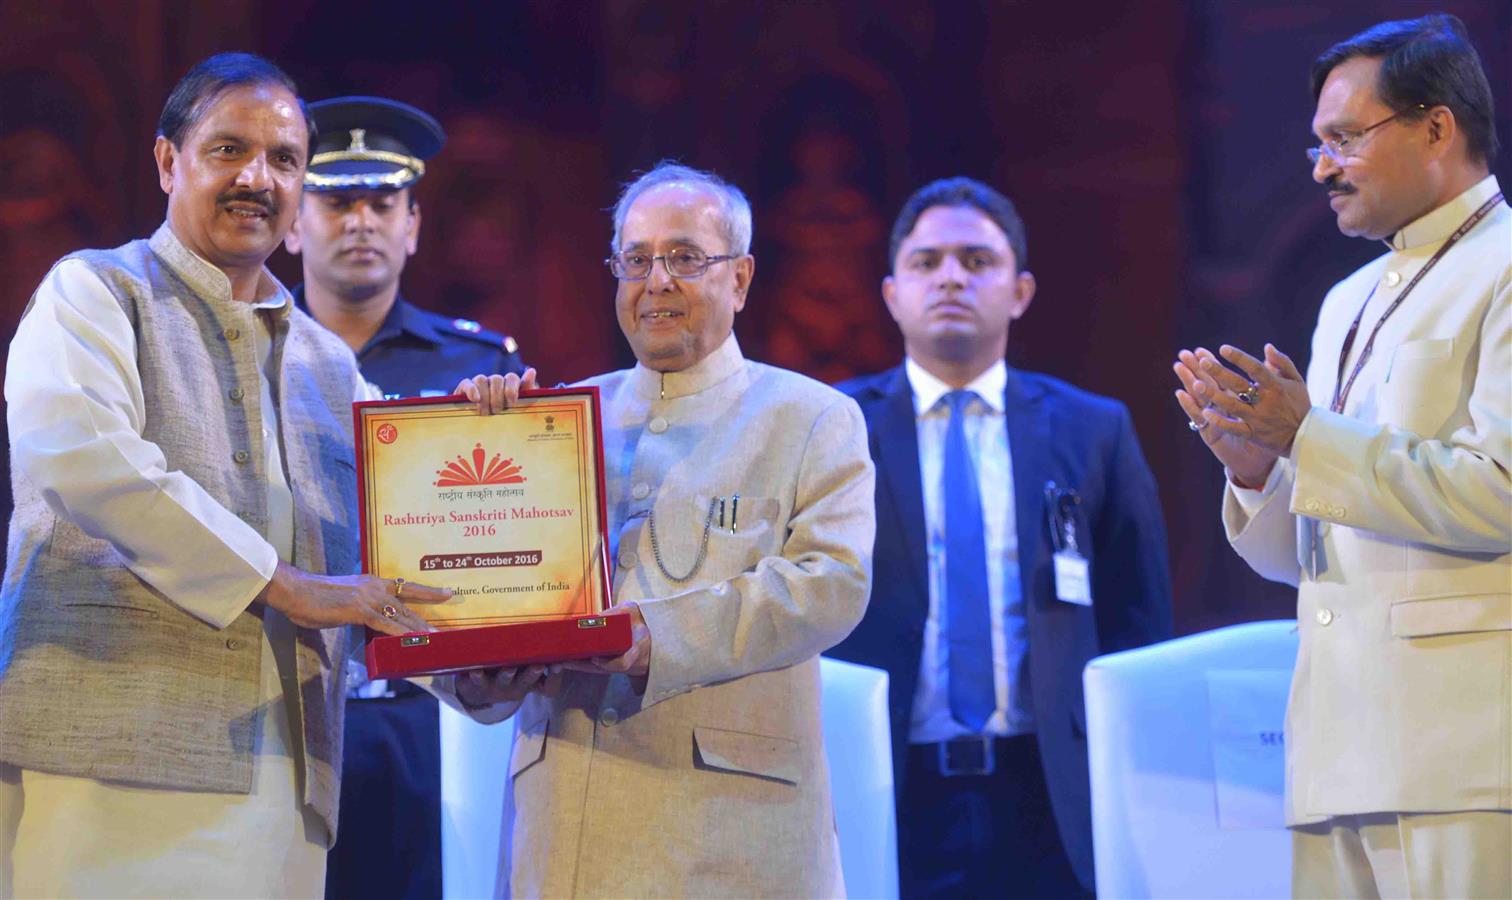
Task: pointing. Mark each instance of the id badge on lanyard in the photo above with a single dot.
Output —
(1073, 573)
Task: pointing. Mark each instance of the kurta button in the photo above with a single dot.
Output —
(641, 491)
(233, 644)
(1393, 279)
(627, 560)
(719, 590)
(658, 425)
(231, 334)
(241, 456)
(237, 394)
(1325, 616)
(609, 717)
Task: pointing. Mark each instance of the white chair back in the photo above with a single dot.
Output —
(858, 745)
(1187, 763)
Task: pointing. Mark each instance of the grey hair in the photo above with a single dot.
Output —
(735, 209)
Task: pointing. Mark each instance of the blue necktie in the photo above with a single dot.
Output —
(968, 625)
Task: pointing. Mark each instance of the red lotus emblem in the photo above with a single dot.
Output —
(462, 472)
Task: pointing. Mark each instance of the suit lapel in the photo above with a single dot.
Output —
(1029, 443)
(896, 433)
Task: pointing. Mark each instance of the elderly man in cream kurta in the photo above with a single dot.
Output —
(693, 765)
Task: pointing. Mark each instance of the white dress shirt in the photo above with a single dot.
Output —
(987, 437)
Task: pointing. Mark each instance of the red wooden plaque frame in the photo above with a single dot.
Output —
(512, 644)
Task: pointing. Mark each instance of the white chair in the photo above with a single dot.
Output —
(1184, 741)
(858, 744)
(474, 770)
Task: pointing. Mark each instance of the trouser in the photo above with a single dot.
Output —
(981, 835)
(390, 841)
(1419, 855)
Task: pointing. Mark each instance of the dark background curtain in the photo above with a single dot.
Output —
(1154, 151)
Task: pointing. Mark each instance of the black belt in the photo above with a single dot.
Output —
(970, 756)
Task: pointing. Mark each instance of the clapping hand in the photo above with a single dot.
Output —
(1248, 421)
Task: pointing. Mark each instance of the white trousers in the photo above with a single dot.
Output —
(63, 836)
(1418, 855)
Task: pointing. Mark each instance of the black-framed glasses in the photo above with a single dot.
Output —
(684, 262)
(1342, 147)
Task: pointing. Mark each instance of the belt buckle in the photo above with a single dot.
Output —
(966, 756)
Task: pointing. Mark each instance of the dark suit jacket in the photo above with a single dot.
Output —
(1055, 433)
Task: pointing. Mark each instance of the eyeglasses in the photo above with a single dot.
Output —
(1342, 147)
(684, 262)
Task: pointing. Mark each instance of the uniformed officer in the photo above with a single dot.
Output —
(358, 224)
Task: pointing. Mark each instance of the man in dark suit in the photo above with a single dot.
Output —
(1018, 536)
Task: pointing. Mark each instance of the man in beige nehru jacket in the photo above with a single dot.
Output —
(740, 508)
(180, 570)
(1380, 485)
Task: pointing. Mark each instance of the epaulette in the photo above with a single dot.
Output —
(471, 329)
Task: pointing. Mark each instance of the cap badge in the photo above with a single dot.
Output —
(359, 141)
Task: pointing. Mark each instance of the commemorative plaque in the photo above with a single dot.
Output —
(505, 510)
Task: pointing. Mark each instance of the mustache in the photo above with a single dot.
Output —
(1337, 183)
(263, 199)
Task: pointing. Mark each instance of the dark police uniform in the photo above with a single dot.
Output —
(389, 839)
(418, 353)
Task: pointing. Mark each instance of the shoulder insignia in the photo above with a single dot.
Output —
(467, 325)
(509, 345)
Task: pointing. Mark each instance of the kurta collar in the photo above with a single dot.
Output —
(1442, 222)
(702, 375)
(210, 282)
(927, 389)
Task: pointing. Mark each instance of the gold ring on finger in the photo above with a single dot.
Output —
(1250, 395)
(390, 611)
(399, 588)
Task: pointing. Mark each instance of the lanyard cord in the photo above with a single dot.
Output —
(1342, 387)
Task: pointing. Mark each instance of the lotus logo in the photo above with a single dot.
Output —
(460, 471)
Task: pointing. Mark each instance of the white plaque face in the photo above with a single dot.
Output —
(505, 510)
